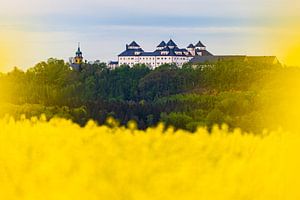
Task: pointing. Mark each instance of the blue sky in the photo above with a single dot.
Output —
(52, 28)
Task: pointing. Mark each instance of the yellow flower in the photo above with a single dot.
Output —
(61, 160)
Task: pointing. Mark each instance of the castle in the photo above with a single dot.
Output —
(170, 53)
(165, 53)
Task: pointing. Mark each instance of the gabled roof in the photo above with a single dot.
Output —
(171, 43)
(239, 58)
(209, 58)
(162, 44)
(191, 46)
(199, 44)
(134, 44)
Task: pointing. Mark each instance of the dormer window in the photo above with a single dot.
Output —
(133, 45)
(201, 48)
(171, 44)
(199, 53)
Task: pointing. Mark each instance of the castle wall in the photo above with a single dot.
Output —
(153, 61)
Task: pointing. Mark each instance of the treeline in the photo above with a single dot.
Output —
(223, 92)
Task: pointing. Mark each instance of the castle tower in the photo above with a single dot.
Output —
(200, 46)
(191, 49)
(78, 58)
(161, 46)
(171, 44)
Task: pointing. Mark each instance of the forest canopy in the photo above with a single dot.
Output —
(240, 94)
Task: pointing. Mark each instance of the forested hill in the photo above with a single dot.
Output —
(223, 92)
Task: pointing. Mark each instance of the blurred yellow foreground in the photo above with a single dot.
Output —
(60, 160)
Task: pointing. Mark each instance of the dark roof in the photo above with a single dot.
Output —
(155, 53)
(134, 44)
(171, 51)
(78, 52)
(162, 44)
(240, 58)
(263, 59)
(171, 43)
(204, 52)
(203, 59)
(191, 46)
(199, 44)
(177, 49)
(130, 52)
(184, 50)
(166, 49)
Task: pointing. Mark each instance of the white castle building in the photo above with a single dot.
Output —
(165, 53)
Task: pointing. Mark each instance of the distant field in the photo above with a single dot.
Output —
(60, 160)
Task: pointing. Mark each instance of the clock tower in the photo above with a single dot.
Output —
(78, 58)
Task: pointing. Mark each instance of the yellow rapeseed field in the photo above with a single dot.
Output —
(60, 160)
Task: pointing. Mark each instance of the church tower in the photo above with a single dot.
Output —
(78, 58)
(77, 61)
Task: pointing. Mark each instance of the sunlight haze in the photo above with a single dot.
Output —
(34, 30)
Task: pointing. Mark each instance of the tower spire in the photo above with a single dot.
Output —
(78, 57)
